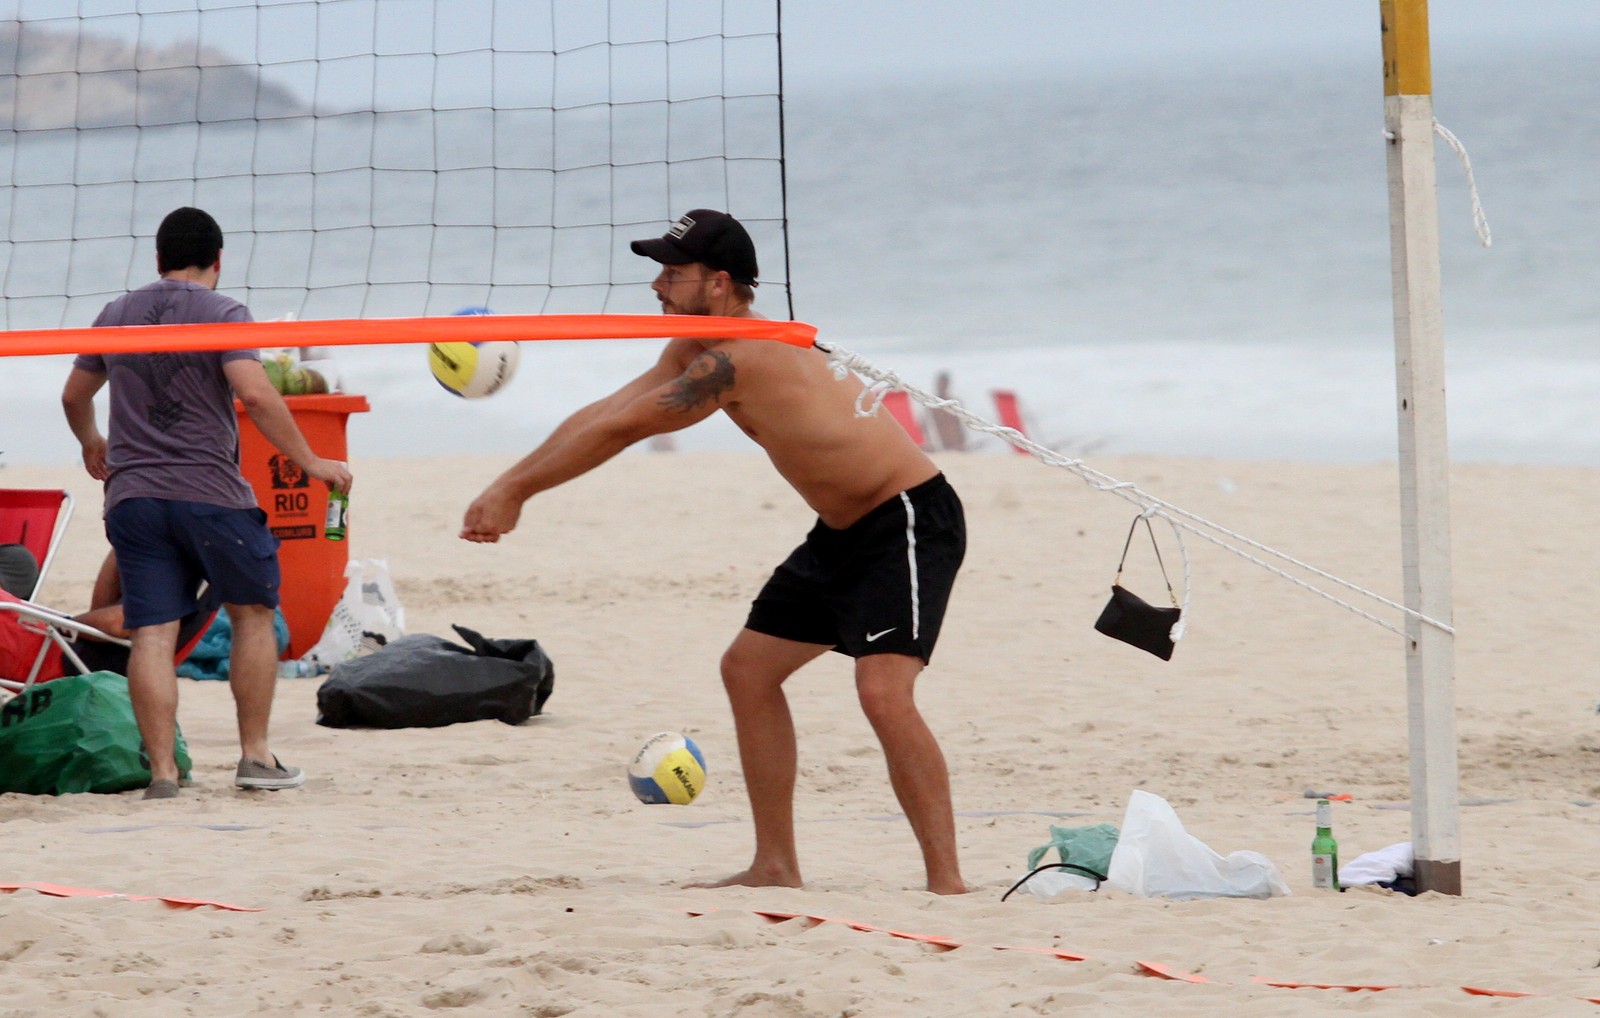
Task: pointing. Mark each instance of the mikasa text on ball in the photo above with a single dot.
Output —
(669, 767)
(474, 370)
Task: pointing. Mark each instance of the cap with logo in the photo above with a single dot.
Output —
(712, 238)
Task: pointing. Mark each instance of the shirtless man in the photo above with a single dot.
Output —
(872, 578)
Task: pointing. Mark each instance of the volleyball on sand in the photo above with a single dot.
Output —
(669, 767)
(474, 370)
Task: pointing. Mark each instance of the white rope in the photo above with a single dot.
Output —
(843, 362)
(1480, 222)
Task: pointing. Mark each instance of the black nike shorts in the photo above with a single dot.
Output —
(879, 586)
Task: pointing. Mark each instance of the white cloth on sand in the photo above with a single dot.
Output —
(1380, 867)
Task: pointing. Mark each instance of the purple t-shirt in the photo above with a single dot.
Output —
(173, 431)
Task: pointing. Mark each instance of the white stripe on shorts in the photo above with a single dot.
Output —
(911, 560)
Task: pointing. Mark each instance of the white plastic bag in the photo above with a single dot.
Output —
(368, 615)
(1156, 858)
(1384, 866)
(1047, 884)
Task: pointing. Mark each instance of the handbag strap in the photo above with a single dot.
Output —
(1098, 878)
(1128, 543)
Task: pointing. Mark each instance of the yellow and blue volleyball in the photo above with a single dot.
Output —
(474, 370)
(669, 767)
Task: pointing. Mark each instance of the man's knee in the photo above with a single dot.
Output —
(738, 665)
(152, 654)
(884, 685)
(161, 638)
(885, 706)
(754, 661)
(248, 615)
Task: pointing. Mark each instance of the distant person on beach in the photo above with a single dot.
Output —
(952, 434)
(20, 643)
(872, 578)
(177, 508)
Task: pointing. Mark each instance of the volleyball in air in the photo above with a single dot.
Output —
(669, 767)
(474, 370)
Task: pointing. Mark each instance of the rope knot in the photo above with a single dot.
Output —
(871, 398)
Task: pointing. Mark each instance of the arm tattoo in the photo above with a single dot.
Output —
(708, 376)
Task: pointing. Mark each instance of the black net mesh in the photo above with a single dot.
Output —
(380, 159)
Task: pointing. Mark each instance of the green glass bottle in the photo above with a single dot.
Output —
(1324, 850)
(338, 516)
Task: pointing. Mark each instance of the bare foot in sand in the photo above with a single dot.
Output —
(754, 877)
(959, 887)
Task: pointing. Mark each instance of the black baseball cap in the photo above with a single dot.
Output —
(712, 238)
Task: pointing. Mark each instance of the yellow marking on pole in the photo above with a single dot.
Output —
(1407, 67)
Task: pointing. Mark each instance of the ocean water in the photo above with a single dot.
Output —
(1186, 261)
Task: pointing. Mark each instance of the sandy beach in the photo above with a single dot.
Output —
(489, 869)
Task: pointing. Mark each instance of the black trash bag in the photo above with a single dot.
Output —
(426, 681)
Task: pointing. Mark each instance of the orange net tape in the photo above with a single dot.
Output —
(374, 331)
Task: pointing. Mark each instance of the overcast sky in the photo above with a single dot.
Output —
(828, 39)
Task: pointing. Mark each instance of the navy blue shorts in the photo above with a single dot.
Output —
(165, 549)
(879, 586)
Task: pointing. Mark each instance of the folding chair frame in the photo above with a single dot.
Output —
(58, 629)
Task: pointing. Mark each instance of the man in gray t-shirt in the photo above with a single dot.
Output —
(178, 512)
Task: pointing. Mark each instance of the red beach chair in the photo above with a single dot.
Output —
(35, 518)
(1009, 409)
(899, 407)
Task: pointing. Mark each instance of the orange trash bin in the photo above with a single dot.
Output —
(297, 507)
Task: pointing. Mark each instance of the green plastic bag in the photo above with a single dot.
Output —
(75, 734)
(1088, 847)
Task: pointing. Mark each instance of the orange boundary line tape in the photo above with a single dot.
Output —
(58, 891)
(947, 943)
(1155, 968)
(376, 331)
(1152, 968)
(1352, 987)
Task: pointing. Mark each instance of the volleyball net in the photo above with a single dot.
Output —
(399, 159)
(379, 164)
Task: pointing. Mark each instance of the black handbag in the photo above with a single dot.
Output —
(1134, 621)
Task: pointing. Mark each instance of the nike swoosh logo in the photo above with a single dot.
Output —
(872, 637)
